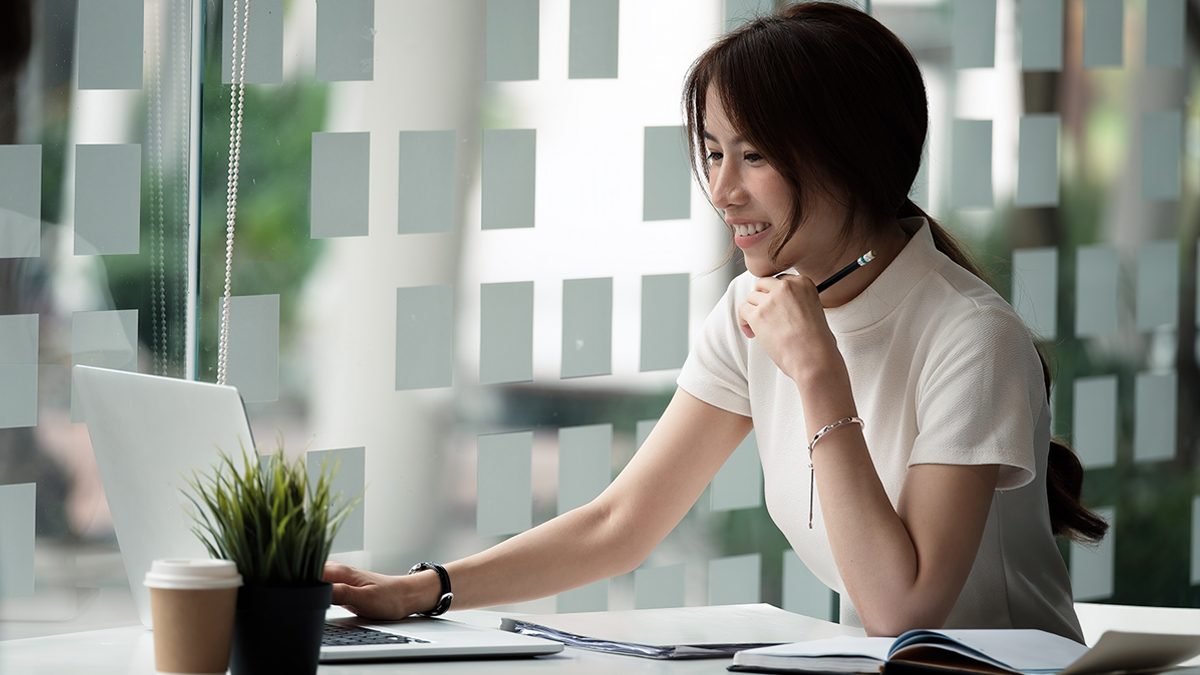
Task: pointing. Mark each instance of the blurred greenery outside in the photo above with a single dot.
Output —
(274, 255)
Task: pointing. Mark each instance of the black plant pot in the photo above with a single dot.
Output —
(278, 630)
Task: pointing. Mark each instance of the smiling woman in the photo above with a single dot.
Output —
(813, 122)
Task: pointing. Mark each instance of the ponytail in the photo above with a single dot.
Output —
(1064, 474)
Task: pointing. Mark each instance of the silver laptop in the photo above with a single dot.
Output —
(149, 433)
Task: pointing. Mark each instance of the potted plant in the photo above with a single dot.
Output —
(277, 525)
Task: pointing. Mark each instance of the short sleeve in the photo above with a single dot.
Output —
(981, 397)
(715, 370)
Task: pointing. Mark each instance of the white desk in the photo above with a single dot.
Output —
(129, 650)
(105, 638)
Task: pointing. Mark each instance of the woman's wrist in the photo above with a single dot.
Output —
(821, 380)
(421, 591)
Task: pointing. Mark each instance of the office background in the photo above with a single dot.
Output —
(469, 256)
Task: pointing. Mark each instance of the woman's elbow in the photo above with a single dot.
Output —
(894, 626)
(903, 616)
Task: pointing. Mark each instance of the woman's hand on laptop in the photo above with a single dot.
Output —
(372, 595)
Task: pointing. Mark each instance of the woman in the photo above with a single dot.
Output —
(901, 415)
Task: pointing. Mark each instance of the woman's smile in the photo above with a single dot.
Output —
(746, 235)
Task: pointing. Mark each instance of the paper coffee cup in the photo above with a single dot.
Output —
(192, 604)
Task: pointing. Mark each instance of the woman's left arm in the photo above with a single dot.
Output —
(903, 567)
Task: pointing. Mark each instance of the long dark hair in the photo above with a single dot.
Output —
(835, 102)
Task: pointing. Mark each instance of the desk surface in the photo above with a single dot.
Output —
(129, 650)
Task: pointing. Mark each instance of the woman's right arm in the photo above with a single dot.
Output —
(612, 535)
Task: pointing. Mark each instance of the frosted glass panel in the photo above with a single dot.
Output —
(738, 484)
(424, 337)
(509, 163)
(1096, 291)
(1095, 421)
(108, 188)
(345, 40)
(504, 496)
(1158, 285)
(1103, 26)
(738, 12)
(426, 181)
(341, 174)
(18, 370)
(1037, 172)
(1162, 149)
(254, 346)
(1092, 567)
(110, 44)
(590, 598)
(1035, 289)
(594, 25)
(506, 332)
(803, 593)
(584, 464)
(587, 327)
(664, 321)
(735, 580)
(973, 33)
(1041, 35)
(17, 527)
(655, 587)
(20, 201)
(1155, 401)
(972, 164)
(351, 477)
(1195, 541)
(264, 46)
(667, 175)
(106, 339)
(512, 40)
(1165, 24)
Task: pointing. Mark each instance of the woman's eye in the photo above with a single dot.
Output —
(753, 157)
(713, 156)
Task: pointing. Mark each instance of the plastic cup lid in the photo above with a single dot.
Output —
(192, 574)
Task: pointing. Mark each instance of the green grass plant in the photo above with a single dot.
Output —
(264, 514)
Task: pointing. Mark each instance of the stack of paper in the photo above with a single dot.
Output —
(678, 633)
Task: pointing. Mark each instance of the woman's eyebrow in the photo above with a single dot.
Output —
(732, 141)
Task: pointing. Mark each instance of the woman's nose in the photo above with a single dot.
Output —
(726, 187)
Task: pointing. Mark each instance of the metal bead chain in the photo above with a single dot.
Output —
(237, 94)
(181, 210)
(158, 314)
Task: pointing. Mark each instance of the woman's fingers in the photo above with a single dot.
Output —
(744, 311)
(362, 592)
(338, 573)
(756, 298)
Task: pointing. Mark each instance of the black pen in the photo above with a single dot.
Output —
(840, 274)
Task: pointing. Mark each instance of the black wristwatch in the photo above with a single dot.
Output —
(447, 597)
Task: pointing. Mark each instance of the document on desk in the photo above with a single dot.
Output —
(677, 633)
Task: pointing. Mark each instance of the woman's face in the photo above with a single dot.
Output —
(756, 202)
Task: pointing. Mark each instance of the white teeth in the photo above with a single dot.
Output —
(747, 230)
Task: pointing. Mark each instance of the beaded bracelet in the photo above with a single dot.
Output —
(811, 474)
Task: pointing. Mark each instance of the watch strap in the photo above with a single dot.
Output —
(446, 596)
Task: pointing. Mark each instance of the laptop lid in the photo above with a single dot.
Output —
(148, 434)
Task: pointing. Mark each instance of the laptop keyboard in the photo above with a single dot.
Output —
(337, 635)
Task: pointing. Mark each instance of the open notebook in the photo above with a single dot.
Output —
(997, 651)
